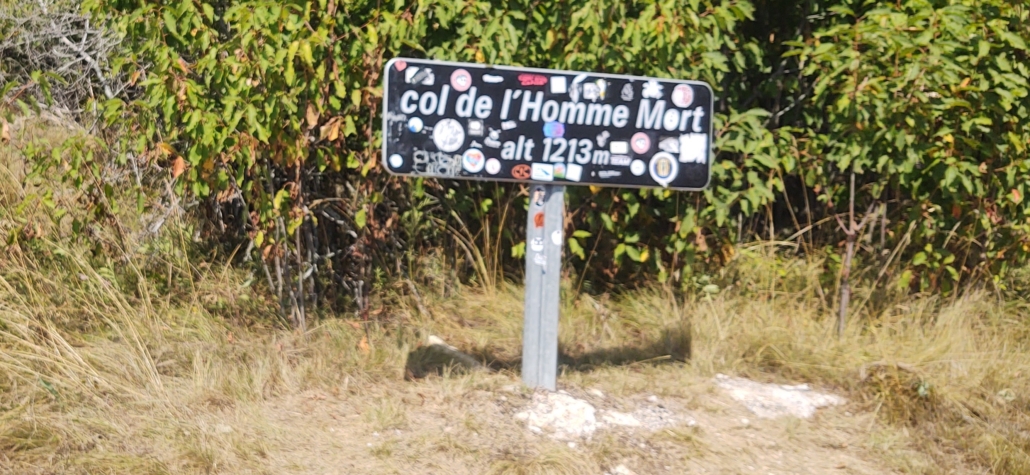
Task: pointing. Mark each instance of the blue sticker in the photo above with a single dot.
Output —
(554, 129)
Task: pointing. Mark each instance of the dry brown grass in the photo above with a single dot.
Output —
(157, 365)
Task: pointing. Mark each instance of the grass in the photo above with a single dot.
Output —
(147, 360)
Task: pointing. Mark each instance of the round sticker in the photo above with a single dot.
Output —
(473, 160)
(461, 80)
(637, 167)
(537, 244)
(493, 166)
(663, 168)
(448, 135)
(554, 129)
(415, 124)
(683, 95)
(521, 172)
(556, 237)
(396, 161)
(640, 143)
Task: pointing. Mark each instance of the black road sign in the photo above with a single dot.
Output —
(470, 121)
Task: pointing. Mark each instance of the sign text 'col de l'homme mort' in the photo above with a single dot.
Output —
(469, 121)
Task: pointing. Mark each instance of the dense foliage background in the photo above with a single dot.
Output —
(262, 118)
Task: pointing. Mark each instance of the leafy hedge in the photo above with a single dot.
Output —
(268, 111)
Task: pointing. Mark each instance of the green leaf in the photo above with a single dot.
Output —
(577, 249)
(360, 218)
(170, 21)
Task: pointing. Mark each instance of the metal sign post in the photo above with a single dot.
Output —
(543, 286)
(546, 129)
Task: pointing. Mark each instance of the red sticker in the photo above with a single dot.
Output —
(521, 172)
(532, 79)
(538, 219)
(400, 65)
(461, 80)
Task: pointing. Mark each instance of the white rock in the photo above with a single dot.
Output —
(620, 419)
(775, 400)
(596, 392)
(562, 416)
(622, 470)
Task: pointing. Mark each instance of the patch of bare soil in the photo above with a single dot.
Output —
(483, 423)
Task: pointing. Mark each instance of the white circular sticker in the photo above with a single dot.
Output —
(637, 167)
(556, 237)
(537, 244)
(448, 135)
(461, 80)
(683, 95)
(396, 160)
(415, 124)
(663, 168)
(493, 166)
(473, 160)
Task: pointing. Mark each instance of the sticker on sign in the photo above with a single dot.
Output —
(545, 126)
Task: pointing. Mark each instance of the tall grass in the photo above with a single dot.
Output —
(115, 357)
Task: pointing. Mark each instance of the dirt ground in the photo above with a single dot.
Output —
(467, 425)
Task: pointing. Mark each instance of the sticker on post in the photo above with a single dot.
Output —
(540, 260)
(521, 172)
(573, 172)
(537, 244)
(652, 90)
(493, 166)
(620, 160)
(556, 237)
(423, 76)
(532, 80)
(669, 144)
(415, 125)
(538, 196)
(554, 129)
(682, 95)
(396, 161)
(543, 172)
(640, 142)
(473, 160)
(461, 80)
(619, 148)
(663, 168)
(627, 92)
(693, 148)
(637, 168)
(448, 135)
(493, 138)
(559, 85)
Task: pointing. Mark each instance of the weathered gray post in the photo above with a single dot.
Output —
(544, 243)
